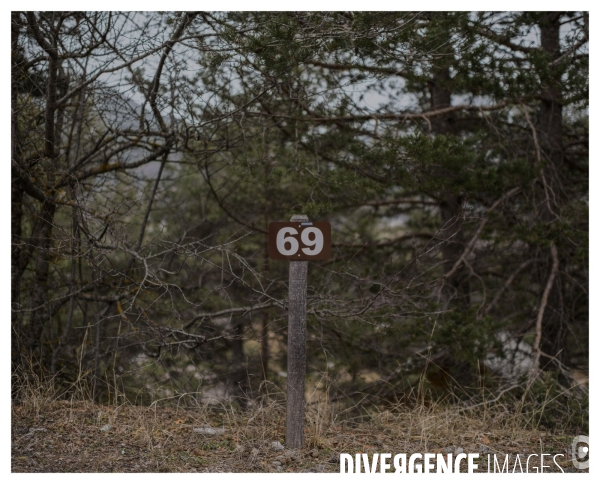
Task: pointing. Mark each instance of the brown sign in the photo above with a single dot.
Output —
(299, 240)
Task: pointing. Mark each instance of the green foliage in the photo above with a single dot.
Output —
(443, 215)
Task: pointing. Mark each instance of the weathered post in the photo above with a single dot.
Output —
(294, 435)
(297, 241)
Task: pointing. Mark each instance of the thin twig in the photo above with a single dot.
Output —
(538, 324)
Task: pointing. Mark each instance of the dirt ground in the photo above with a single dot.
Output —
(83, 437)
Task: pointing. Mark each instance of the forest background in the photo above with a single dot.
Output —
(448, 150)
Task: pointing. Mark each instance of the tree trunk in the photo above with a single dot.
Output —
(550, 137)
(42, 240)
(240, 373)
(16, 196)
(39, 292)
(456, 289)
(264, 330)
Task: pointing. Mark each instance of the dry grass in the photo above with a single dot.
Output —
(51, 434)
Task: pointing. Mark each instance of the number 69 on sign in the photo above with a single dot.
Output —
(299, 240)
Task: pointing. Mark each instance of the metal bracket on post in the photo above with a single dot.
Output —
(294, 436)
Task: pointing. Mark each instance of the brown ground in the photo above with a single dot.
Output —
(65, 436)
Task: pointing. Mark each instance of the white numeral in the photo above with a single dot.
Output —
(317, 241)
(282, 239)
(314, 244)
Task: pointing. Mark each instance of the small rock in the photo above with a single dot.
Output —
(483, 449)
(281, 459)
(321, 468)
(277, 446)
(208, 431)
(315, 453)
(240, 448)
(449, 450)
(106, 428)
(291, 454)
(276, 463)
(459, 450)
(254, 451)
